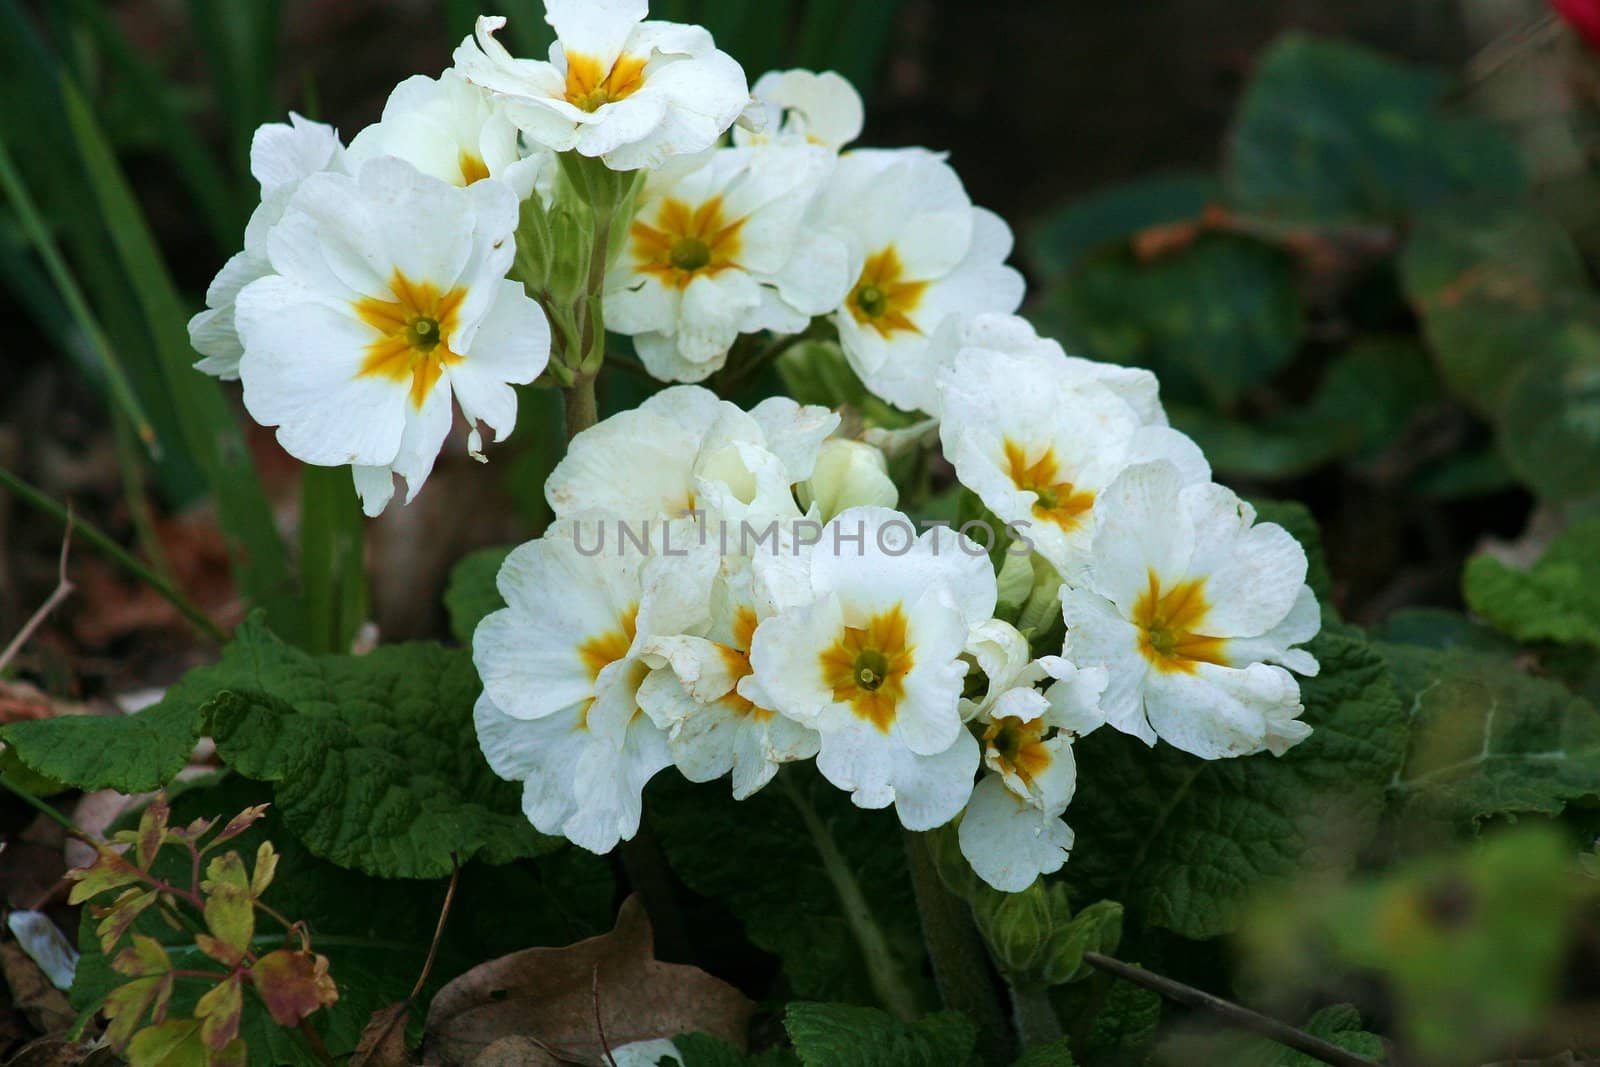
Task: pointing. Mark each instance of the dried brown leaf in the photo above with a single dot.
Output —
(383, 1040)
(557, 999)
(42, 1004)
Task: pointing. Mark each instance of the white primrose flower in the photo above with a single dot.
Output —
(1012, 831)
(717, 721)
(282, 155)
(388, 300)
(631, 92)
(684, 451)
(450, 129)
(1189, 606)
(867, 651)
(803, 107)
(1038, 437)
(561, 666)
(920, 252)
(722, 250)
(848, 474)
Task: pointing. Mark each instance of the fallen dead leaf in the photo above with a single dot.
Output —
(562, 999)
(383, 1041)
(516, 1052)
(42, 1004)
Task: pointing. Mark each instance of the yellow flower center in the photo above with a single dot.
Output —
(1019, 746)
(737, 659)
(867, 667)
(882, 299)
(1166, 622)
(589, 88)
(473, 169)
(685, 242)
(413, 329)
(1058, 502)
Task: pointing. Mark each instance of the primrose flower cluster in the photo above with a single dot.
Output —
(723, 590)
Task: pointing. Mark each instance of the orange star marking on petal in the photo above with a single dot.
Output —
(1059, 501)
(867, 667)
(1166, 623)
(686, 242)
(736, 657)
(473, 169)
(414, 330)
(602, 650)
(881, 299)
(1019, 746)
(589, 88)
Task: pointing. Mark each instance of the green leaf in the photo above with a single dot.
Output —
(1186, 843)
(1114, 216)
(1550, 427)
(373, 758)
(1055, 1054)
(797, 917)
(1212, 320)
(838, 1035)
(703, 1050)
(1125, 1021)
(471, 593)
(1331, 133)
(1558, 599)
(1486, 739)
(142, 752)
(1494, 290)
(1338, 1024)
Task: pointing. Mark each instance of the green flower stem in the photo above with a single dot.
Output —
(119, 555)
(883, 969)
(1035, 1017)
(581, 409)
(961, 967)
(40, 806)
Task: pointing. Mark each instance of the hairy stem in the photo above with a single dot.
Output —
(960, 962)
(883, 969)
(1229, 1012)
(581, 409)
(1035, 1017)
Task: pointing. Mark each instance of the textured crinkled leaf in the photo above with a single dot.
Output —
(1186, 843)
(1333, 133)
(1557, 599)
(141, 752)
(839, 1035)
(1211, 319)
(798, 916)
(1114, 216)
(471, 593)
(1055, 1054)
(373, 759)
(1486, 739)
(1495, 290)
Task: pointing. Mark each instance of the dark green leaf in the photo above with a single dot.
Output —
(1332, 133)
(471, 594)
(1061, 240)
(1558, 599)
(838, 1035)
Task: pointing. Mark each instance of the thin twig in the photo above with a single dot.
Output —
(1230, 1013)
(119, 555)
(599, 1023)
(63, 589)
(438, 929)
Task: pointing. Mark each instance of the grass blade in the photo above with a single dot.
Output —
(16, 193)
(208, 429)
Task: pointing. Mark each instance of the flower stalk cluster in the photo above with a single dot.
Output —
(508, 221)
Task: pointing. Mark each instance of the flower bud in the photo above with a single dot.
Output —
(848, 474)
(1583, 16)
(1017, 926)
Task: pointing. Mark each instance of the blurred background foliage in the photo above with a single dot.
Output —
(1356, 241)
